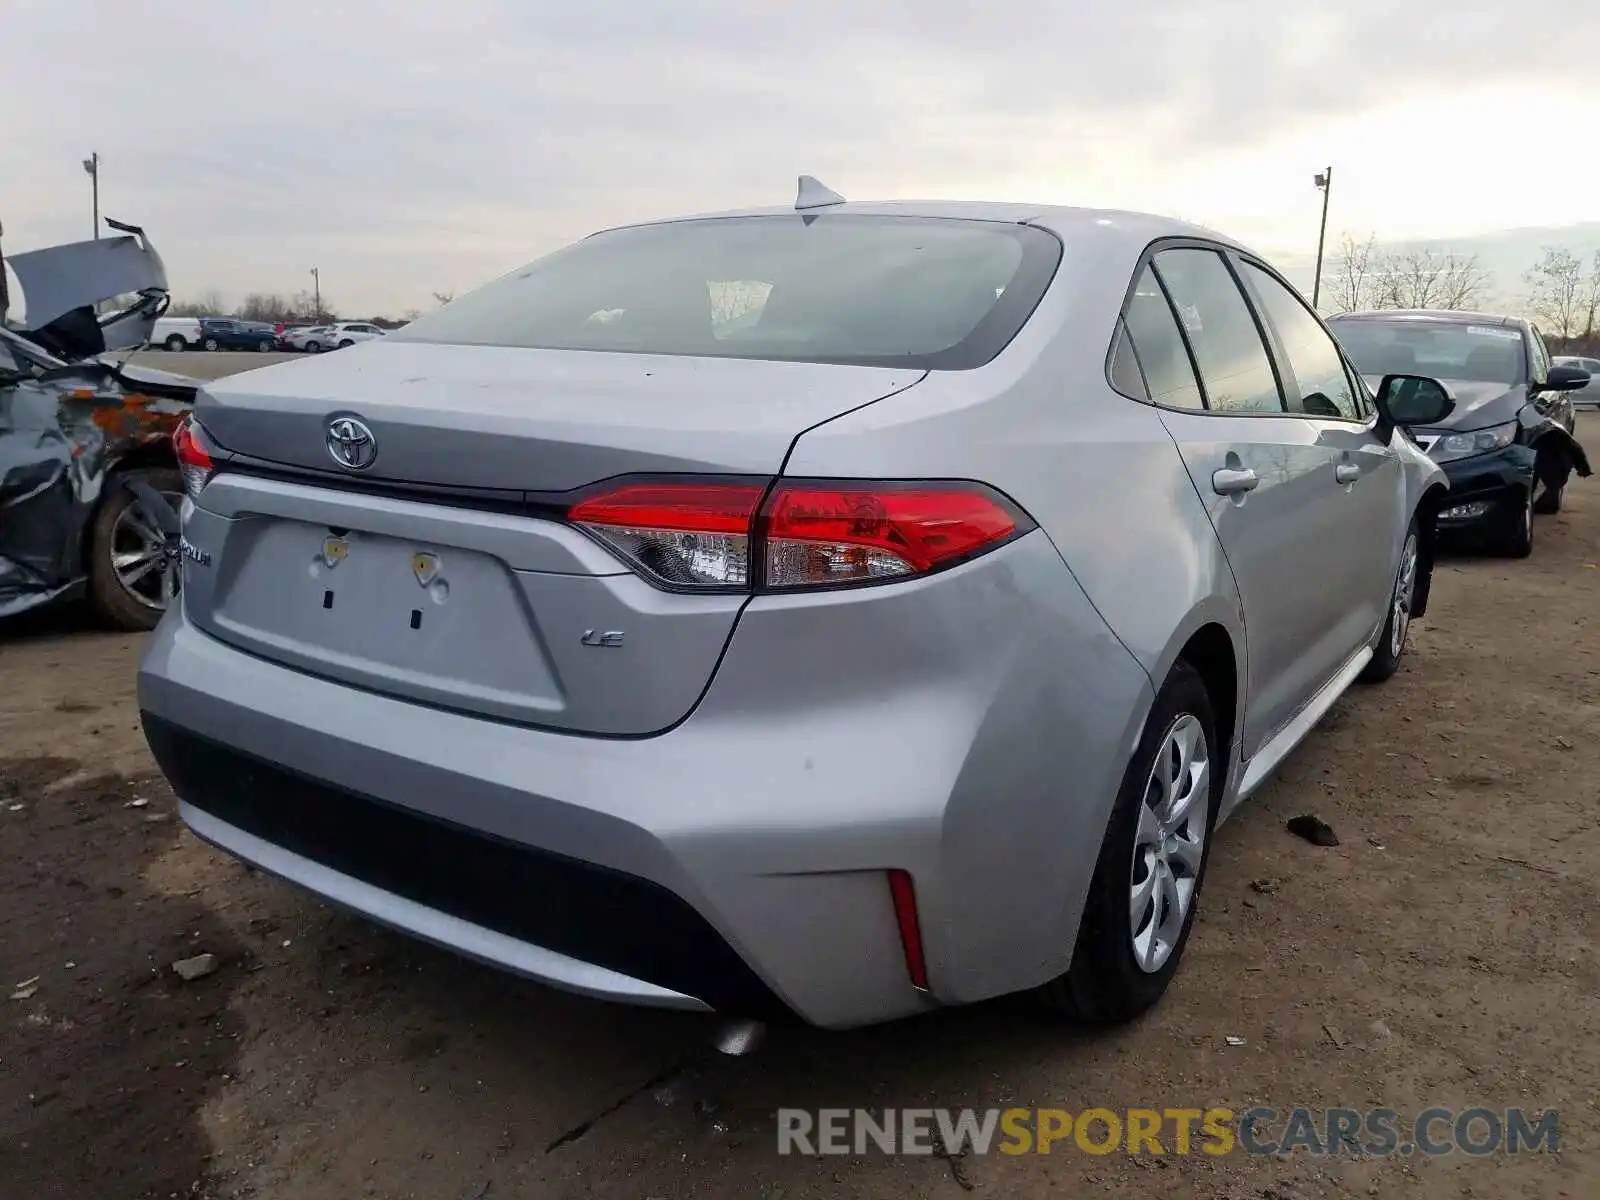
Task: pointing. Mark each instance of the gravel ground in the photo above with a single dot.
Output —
(1442, 954)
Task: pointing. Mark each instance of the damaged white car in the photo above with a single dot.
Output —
(89, 487)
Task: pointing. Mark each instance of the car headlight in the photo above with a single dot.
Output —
(1464, 445)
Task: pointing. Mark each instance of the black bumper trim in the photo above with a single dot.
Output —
(587, 912)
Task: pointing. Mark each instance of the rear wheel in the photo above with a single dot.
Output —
(1514, 539)
(175, 343)
(133, 566)
(1146, 886)
(347, 342)
(264, 347)
(211, 344)
(1392, 645)
(313, 347)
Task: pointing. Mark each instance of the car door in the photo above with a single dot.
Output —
(1265, 475)
(1368, 499)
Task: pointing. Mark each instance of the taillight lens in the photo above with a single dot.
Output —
(193, 462)
(680, 534)
(804, 534)
(827, 534)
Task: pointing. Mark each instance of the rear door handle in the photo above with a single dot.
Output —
(1227, 481)
(1346, 472)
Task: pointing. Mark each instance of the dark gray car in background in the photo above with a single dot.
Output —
(1508, 445)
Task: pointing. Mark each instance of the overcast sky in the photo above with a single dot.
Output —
(413, 146)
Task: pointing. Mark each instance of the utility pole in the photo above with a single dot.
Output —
(316, 283)
(1324, 182)
(92, 166)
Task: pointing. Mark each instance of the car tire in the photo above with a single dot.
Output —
(1515, 536)
(176, 344)
(111, 600)
(211, 344)
(313, 347)
(264, 347)
(1116, 974)
(346, 344)
(1391, 646)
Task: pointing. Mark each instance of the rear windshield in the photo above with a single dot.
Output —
(1440, 350)
(878, 291)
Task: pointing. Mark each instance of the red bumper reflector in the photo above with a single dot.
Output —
(905, 913)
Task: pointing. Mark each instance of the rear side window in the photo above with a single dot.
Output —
(1153, 330)
(841, 288)
(1234, 367)
(1320, 387)
(1125, 375)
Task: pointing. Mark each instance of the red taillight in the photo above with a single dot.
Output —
(905, 915)
(193, 462)
(818, 534)
(807, 533)
(681, 534)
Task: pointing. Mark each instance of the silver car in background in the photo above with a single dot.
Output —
(1588, 396)
(846, 609)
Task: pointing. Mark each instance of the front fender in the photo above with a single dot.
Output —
(1559, 452)
(1427, 518)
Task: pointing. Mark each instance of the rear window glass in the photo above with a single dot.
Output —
(878, 291)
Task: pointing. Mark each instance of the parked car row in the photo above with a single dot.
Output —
(226, 333)
(890, 632)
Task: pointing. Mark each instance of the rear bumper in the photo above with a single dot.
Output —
(736, 862)
(1490, 488)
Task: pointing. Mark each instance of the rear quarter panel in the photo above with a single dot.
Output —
(1099, 472)
(1102, 477)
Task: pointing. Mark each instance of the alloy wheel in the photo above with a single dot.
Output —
(145, 561)
(1169, 843)
(1405, 587)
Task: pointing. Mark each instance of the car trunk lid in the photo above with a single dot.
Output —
(535, 420)
(489, 603)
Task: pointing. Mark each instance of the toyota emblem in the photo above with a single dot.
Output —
(351, 443)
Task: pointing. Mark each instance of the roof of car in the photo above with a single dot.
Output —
(1063, 220)
(1438, 315)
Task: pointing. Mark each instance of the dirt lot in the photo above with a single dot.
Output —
(1443, 954)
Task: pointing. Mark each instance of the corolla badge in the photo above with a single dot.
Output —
(351, 443)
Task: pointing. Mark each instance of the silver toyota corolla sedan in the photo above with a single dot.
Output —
(844, 609)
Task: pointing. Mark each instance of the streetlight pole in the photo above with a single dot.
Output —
(1324, 182)
(316, 283)
(92, 166)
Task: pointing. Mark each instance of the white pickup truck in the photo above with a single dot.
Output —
(176, 333)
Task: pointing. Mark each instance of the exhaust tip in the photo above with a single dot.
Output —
(738, 1038)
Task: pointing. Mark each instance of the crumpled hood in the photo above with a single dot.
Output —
(58, 279)
(62, 286)
(1478, 405)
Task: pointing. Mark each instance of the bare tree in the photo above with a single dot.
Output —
(1429, 279)
(260, 306)
(1354, 274)
(444, 298)
(1564, 293)
(207, 304)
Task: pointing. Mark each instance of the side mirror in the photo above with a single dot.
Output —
(1564, 379)
(1408, 400)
